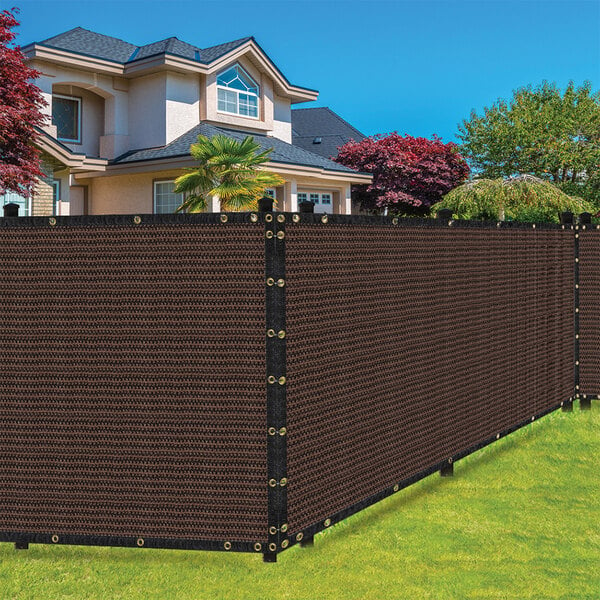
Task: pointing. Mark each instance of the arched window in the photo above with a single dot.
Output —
(237, 92)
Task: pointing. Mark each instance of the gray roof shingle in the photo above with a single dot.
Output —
(311, 123)
(90, 43)
(282, 151)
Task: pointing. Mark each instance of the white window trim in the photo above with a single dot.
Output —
(320, 197)
(78, 100)
(238, 92)
(154, 184)
(56, 203)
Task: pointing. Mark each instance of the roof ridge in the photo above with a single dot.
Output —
(344, 121)
(240, 41)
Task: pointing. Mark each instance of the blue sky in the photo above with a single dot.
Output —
(418, 67)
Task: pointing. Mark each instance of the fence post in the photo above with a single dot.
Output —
(585, 401)
(444, 214)
(306, 207)
(275, 380)
(11, 210)
(567, 218)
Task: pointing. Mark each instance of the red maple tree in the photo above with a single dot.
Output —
(409, 174)
(20, 104)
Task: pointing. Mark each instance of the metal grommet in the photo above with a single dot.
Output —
(285, 544)
(52, 221)
(395, 221)
(499, 224)
(562, 403)
(284, 527)
(270, 333)
(281, 334)
(296, 218)
(533, 418)
(280, 235)
(497, 436)
(273, 530)
(283, 482)
(327, 522)
(450, 461)
(140, 542)
(223, 218)
(281, 380)
(258, 547)
(269, 235)
(268, 217)
(271, 379)
(254, 217)
(282, 431)
(272, 431)
(533, 226)
(55, 539)
(272, 547)
(137, 220)
(281, 218)
(576, 235)
(576, 363)
(396, 487)
(272, 482)
(280, 282)
(227, 545)
(270, 281)
(450, 223)
(299, 537)
(324, 219)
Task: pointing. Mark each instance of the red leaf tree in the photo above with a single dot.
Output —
(409, 174)
(20, 104)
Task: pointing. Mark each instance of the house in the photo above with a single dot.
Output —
(322, 131)
(121, 119)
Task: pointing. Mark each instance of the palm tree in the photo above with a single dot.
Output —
(228, 169)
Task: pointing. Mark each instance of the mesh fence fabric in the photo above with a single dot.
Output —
(407, 345)
(132, 365)
(589, 311)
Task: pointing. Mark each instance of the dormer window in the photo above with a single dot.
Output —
(237, 92)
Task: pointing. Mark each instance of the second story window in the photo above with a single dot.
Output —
(66, 115)
(237, 92)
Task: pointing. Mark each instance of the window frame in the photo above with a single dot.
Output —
(154, 184)
(238, 92)
(56, 196)
(79, 101)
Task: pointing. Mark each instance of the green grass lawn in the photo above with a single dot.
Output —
(520, 519)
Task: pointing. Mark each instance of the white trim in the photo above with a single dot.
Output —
(78, 100)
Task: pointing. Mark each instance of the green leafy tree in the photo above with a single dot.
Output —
(542, 131)
(229, 169)
(522, 198)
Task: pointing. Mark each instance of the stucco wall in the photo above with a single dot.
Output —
(282, 118)
(124, 194)
(147, 115)
(183, 104)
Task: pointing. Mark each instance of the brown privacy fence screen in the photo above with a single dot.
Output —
(242, 381)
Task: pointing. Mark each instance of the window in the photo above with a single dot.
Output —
(55, 196)
(66, 115)
(270, 192)
(314, 198)
(325, 198)
(237, 92)
(301, 197)
(165, 199)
